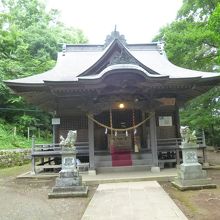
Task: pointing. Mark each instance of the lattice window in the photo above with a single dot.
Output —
(79, 123)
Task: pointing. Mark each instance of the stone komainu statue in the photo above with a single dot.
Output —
(187, 135)
(70, 139)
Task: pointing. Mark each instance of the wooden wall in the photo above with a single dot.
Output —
(164, 132)
(79, 123)
(120, 118)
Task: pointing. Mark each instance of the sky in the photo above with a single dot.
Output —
(138, 20)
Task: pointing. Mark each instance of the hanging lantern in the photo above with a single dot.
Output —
(106, 131)
(121, 105)
(116, 133)
(126, 133)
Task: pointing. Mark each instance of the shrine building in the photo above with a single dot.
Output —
(123, 100)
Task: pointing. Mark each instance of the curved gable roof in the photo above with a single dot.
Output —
(115, 53)
(93, 61)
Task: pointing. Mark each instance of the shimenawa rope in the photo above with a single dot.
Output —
(120, 129)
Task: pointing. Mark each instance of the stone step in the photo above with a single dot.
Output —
(134, 162)
(135, 156)
(123, 168)
(103, 157)
(104, 163)
(142, 162)
(141, 156)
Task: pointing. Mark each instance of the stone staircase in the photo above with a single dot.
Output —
(140, 161)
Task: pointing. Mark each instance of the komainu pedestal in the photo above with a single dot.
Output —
(69, 182)
(190, 174)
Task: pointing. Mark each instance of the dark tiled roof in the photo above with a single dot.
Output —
(78, 58)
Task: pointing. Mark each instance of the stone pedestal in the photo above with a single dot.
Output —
(69, 183)
(190, 174)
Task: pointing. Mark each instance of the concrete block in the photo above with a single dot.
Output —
(155, 169)
(92, 172)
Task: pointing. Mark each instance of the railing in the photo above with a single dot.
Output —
(176, 142)
(169, 149)
(49, 155)
(56, 149)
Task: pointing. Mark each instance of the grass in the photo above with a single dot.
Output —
(9, 141)
(194, 203)
(184, 197)
(13, 171)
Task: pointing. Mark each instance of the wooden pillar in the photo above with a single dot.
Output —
(204, 151)
(91, 144)
(153, 139)
(54, 134)
(177, 120)
(144, 129)
(33, 169)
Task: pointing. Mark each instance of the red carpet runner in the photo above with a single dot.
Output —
(121, 157)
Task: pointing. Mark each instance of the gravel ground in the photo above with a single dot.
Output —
(23, 199)
(27, 200)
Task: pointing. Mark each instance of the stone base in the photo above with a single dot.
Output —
(92, 172)
(191, 171)
(193, 187)
(187, 182)
(155, 169)
(66, 182)
(205, 164)
(64, 192)
(192, 177)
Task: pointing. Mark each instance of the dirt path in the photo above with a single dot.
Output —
(27, 200)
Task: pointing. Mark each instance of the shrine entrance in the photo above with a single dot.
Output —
(117, 134)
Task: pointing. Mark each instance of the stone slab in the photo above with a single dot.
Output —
(192, 182)
(193, 187)
(132, 201)
(65, 193)
(69, 189)
(112, 177)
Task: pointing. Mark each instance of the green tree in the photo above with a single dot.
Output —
(197, 9)
(193, 41)
(29, 41)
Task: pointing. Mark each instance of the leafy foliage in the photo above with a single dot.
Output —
(29, 41)
(8, 139)
(193, 41)
(196, 9)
